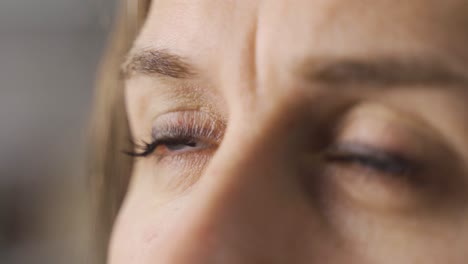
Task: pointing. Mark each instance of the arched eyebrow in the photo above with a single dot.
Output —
(382, 71)
(157, 61)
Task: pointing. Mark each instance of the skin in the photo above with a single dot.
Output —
(277, 174)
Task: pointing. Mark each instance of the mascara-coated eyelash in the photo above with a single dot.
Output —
(180, 132)
(142, 150)
(370, 157)
(172, 144)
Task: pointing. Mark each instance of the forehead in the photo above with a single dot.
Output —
(213, 32)
(202, 18)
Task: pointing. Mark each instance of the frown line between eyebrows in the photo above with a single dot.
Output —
(157, 62)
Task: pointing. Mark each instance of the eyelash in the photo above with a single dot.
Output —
(203, 133)
(146, 149)
(371, 158)
(344, 154)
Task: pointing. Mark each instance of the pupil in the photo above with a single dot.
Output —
(180, 146)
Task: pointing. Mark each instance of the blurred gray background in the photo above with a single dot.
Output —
(49, 52)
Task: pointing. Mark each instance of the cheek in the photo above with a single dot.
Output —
(140, 228)
(387, 238)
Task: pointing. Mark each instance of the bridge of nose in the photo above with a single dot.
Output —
(247, 206)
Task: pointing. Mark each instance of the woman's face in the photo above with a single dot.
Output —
(295, 131)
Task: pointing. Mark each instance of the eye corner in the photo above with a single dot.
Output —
(141, 150)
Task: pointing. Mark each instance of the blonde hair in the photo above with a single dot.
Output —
(110, 169)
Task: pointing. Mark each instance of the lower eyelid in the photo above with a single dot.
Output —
(185, 162)
(372, 189)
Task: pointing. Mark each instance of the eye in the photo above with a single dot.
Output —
(372, 158)
(169, 145)
(175, 144)
(374, 139)
(178, 145)
(181, 133)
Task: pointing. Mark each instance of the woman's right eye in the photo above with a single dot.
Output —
(170, 146)
(181, 133)
(178, 144)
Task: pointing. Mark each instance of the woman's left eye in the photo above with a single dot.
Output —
(371, 158)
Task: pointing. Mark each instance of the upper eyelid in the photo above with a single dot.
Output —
(381, 159)
(188, 123)
(365, 150)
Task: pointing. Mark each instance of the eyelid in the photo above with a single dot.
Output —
(372, 157)
(381, 127)
(188, 124)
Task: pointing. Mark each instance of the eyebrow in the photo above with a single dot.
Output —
(157, 61)
(382, 71)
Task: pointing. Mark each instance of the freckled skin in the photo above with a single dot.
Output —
(267, 193)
